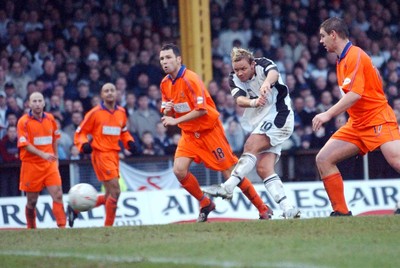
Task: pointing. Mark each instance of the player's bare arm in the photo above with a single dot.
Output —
(251, 103)
(170, 121)
(341, 106)
(47, 156)
(270, 80)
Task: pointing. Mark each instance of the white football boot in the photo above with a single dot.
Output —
(218, 191)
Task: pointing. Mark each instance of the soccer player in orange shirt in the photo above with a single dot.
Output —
(187, 103)
(37, 141)
(372, 123)
(106, 123)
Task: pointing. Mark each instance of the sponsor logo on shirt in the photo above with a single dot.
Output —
(346, 81)
(182, 107)
(200, 100)
(22, 139)
(113, 131)
(45, 140)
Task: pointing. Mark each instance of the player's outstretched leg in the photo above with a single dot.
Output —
(245, 164)
(218, 191)
(275, 188)
(101, 200)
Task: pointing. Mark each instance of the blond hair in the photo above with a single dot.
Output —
(238, 54)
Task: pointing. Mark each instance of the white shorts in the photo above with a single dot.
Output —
(277, 135)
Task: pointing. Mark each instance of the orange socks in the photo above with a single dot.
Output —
(59, 214)
(248, 190)
(30, 215)
(111, 209)
(101, 200)
(191, 185)
(334, 187)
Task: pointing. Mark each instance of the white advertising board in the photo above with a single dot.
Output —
(176, 205)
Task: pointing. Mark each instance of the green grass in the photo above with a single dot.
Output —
(371, 241)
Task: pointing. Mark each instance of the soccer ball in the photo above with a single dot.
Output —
(82, 197)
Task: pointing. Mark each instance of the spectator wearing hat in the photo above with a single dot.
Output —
(93, 58)
(92, 61)
(10, 91)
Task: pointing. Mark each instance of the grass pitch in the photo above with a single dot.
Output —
(370, 241)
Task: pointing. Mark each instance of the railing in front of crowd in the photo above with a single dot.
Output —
(298, 165)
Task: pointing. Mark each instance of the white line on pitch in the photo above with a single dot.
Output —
(175, 260)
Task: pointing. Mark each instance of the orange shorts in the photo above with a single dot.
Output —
(36, 176)
(369, 138)
(105, 165)
(208, 147)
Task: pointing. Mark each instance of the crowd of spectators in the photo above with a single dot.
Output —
(68, 49)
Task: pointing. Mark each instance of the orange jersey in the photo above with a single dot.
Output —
(188, 93)
(42, 134)
(356, 73)
(106, 128)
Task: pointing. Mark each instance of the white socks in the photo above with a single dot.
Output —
(274, 186)
(245, 164)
